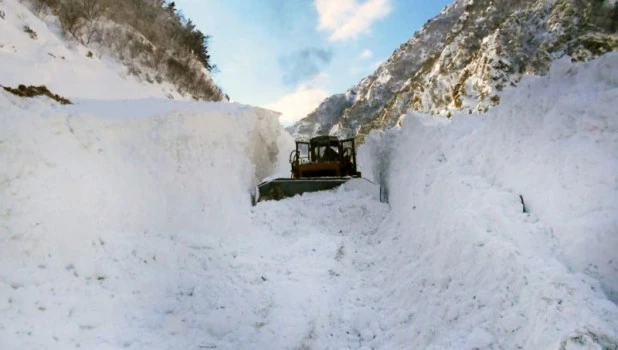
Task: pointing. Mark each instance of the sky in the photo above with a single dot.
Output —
(289, 55)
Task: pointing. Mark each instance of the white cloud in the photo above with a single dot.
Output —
(366, 54)
(319, 79)
(347, 19)
(297, 104)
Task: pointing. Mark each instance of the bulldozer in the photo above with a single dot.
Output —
(322, 163)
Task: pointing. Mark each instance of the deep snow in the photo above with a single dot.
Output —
(128, 224)
(107, 210)
(481, 272)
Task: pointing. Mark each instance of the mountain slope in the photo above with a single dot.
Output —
(36, 50)
(463, 58)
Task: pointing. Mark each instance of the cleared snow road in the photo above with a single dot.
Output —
(307, 266)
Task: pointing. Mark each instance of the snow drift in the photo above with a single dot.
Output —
(504, 227)
(100, 203)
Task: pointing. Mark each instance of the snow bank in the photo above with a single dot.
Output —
(466, 266)
(109, 210)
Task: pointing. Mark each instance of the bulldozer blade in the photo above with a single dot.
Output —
(283, 188)
(366, 186)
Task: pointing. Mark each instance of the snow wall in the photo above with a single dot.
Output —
(105, 204)
(479, 271)
(133, 166)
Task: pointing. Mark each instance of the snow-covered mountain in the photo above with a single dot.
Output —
(463, 58)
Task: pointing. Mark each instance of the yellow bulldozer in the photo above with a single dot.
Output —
(322, 163)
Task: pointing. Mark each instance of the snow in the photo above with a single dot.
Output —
(480, 272)
(109, 221)
(128, 223)
(61, 64)
(311, 250)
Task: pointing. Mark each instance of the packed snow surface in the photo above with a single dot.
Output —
(128, 224)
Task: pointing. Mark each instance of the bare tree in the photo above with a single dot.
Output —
(91, 9)
(70, 16)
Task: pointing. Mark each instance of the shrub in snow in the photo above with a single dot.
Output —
(32, 91)
(30, 32)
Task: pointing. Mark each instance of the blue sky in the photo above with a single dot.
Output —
(288, 55)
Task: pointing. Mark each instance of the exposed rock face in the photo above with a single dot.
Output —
(463, 58)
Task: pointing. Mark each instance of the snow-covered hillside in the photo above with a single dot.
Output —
(462, 59)
(64, 66)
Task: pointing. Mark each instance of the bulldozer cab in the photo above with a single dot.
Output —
(324, 156)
